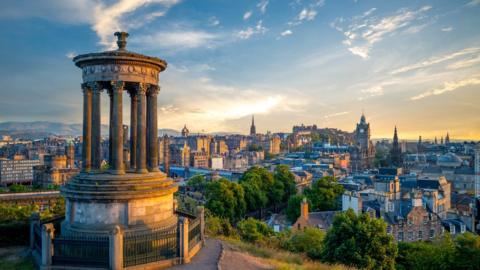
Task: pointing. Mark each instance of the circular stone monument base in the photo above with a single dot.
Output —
(97, 202)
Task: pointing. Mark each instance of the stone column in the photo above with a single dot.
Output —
(141, 128)
(47, 247)
(133, 130)
(110, 131)
(116, 248)
(96, 128)
(152, 129)
(87, 129)
(117, 128)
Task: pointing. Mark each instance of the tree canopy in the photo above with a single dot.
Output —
(359, 241)
(225, 199)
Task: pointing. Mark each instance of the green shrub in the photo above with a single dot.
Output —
(252, 230)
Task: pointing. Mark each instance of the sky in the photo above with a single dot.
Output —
(413, 64)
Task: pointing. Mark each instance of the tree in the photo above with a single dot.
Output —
(324, 194)
(359, 241)
(253, 230)
(309, 241)
(285, 176)
(467, 254)
(293, 207)
(423, 255)
(225, 199)
(197, 182)
(260, 188)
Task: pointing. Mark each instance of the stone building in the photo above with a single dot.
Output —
(119, 217)
(56, 170)
(413, 222)
(362, 153)
(199, 159)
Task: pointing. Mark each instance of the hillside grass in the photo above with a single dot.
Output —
(279, 259)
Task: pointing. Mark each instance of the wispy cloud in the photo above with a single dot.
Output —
(473, 3)
(446, 29)
(213, 21)
(71, 55)
(247, 15)
(307, 14)
(474, 60)
(114, 17)
(437, 60)
(250, 31)
(363, 31)
(374, 91)
(286, 33)
(448, 87)
(336, 114)
(262, 6)
(177, 39)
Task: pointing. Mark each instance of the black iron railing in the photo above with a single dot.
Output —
(150, 246)
(37, 238)
(91, 251)
(194, 233)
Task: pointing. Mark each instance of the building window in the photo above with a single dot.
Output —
(432, 233)
(400, 236)
(420, 235)
(410, 235)
(389, 229)
(410, 221)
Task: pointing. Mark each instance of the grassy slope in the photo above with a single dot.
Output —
(278, 258)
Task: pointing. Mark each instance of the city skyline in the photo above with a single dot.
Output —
(413, 64)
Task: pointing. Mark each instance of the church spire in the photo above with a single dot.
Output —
(396, 152)
(253, 129)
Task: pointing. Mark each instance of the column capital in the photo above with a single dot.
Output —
(86, 88)
(117, 85)
(94, 86)
(153, 90)
(141, 89)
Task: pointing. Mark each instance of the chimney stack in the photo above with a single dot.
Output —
(304, 209)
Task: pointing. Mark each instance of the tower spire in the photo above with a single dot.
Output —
(253, 129)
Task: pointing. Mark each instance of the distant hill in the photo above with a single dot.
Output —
(42, 129)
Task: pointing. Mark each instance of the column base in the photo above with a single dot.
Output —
(117, 172)
(141, 171)
(154, 169)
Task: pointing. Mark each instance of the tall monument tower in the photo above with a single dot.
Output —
(136, 199)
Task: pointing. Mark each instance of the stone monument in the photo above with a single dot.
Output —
(135, 199)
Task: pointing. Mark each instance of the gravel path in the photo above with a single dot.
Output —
(206, 258)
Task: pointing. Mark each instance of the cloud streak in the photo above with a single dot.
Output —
(363, 31)
(447, 87)
(437, 60)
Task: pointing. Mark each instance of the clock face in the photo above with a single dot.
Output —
(361, 130)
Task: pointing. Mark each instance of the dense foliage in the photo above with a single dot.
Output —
(253, 230)
(463, 252)
(257, 189)
(225, 199)
(359, 241)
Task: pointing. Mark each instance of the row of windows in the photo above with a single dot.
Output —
(415, 235)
